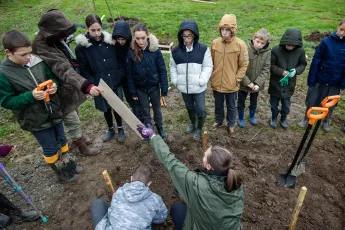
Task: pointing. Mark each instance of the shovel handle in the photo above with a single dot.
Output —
(47, 84)
(314, 117)
(330, 101)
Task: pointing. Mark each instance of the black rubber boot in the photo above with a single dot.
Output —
(121, 137)
(283, 122)
(4, 221)
(64, 172)
(192, 118)
(273, 121)
(198, 130)
(161, 132)
(109, 135)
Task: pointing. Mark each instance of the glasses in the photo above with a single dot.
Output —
(187, 36)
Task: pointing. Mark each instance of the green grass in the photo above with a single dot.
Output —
(164, 17)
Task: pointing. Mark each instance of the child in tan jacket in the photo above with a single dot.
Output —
(230, 61)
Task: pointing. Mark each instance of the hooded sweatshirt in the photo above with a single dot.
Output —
(190, 71)
(133, 206)
(285, 60)
(230, 58)
(54, 26)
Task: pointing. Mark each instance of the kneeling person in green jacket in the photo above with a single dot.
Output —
(20, 74)
(213, 196)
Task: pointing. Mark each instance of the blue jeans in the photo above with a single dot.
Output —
(231, 107)
(241, 101)
(285, 109)
(98, 210)
(195, 103)
(51, 139)
(145, 99)
(178, 213)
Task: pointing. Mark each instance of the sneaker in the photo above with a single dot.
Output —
(303, 123)
(231, 130)
(216, 125)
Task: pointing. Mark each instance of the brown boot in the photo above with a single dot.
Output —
(84, 149)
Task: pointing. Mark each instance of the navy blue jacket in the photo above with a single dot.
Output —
(328, 64)
(97, 60)
(149, 73)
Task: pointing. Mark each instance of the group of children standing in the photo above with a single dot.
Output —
(137, 69)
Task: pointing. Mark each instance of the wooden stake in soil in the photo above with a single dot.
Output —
(297, 209)
(204, 138)
(108, 182)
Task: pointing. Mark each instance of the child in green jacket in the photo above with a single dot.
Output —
(20, 74)
(213, 196)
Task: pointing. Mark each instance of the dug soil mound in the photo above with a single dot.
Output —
(316, 36)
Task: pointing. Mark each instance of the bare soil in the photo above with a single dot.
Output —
(131, 21)
(261, 155)
(316, 36)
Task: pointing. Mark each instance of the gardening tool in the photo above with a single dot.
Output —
(328, 102)
(17, 188)
(47, 103)
(287, 179)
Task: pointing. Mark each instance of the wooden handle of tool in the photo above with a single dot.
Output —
(205, 140)
(297, 209)
(108, 181)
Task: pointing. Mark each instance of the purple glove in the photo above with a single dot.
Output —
(5, 149)
(146, 133)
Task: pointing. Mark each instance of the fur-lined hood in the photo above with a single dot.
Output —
(83, 40)
(153, 43)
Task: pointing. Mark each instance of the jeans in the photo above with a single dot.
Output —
(231, 107)
(241, 101)
(195, 103)
(98, 210)
(51, 139)
(317, 93)
(145, 99)
(73, 125)
(285, 109)
(135, 105)
(178, 215)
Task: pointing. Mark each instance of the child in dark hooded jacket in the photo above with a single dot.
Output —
(327, 73)
(122, 35)
(287, 61)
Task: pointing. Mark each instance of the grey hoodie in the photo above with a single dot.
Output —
(133, 207)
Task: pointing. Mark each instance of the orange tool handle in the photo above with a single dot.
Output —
(330, 101)
(315, 117)
(49, 84)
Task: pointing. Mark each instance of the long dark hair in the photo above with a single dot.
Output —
(220, 160)
(91, 19)
(137, 50)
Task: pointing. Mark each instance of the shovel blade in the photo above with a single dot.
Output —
(287, 180)
(298, 169)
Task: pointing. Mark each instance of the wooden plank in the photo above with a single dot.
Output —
(115, 102)
(297, 209)
(108, 181)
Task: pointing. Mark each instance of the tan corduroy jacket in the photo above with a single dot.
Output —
(230, 59)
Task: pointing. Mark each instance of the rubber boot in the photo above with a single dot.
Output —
(109, 134)
(64, 174)
(161, 132)
(84, 149)
(28, 216)
(121, 137)
(4, 221)
(252, 117)
(304, 122)
(192, 125)
(283, 122)
(273, 122)
(198, 130)
(241, 122)
(326, 123)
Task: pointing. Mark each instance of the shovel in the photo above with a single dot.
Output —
(289, 180)
(328, 102)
